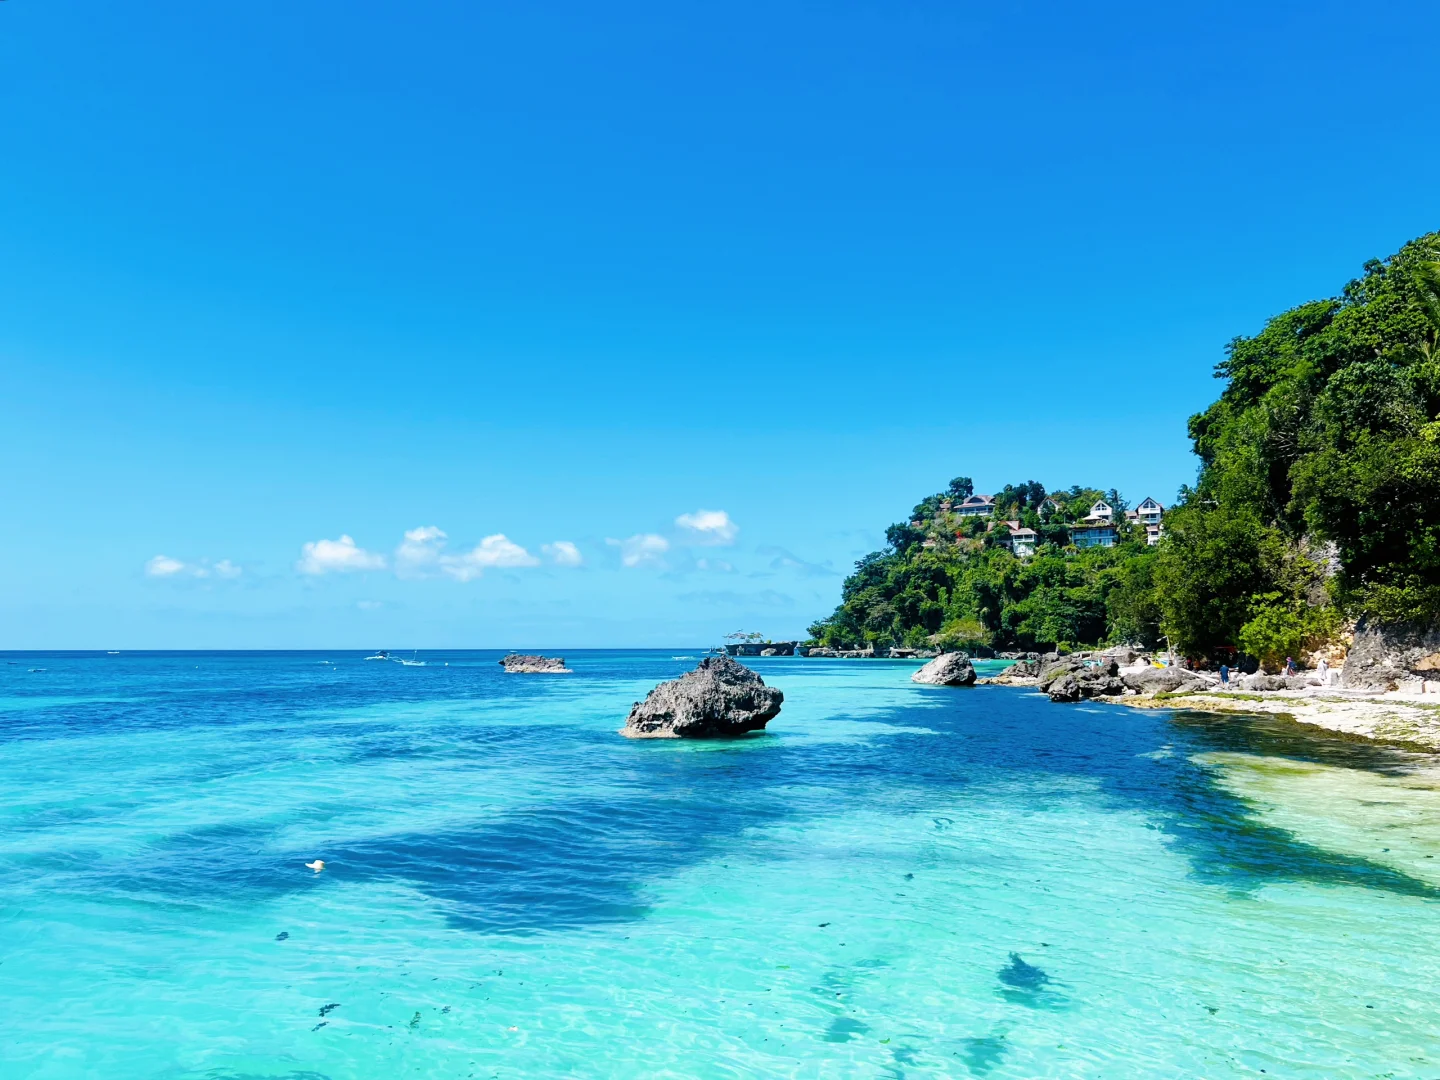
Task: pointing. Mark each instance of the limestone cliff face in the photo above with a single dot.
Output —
(1382, 657)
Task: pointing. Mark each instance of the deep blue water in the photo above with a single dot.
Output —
(894, 880)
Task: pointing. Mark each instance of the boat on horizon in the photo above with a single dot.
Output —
(381, 655)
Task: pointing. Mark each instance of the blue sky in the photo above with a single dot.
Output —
(709, 293)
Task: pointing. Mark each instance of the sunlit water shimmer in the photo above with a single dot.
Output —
(894, 881)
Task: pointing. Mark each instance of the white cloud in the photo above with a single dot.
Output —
(323, 556)
(563, 553)
(419, 551)
(720, 566)
(642, 549)
(498, 550)
(163, 566)
(369, 605)
(422, 553)
(709, 527)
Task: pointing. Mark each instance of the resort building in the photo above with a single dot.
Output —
(1148, 514)
(1099, 534)
(1022, 540)
(1102, 513)
(977, 506)
(1019, 539)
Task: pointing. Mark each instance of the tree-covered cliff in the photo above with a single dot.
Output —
(1317, 501)
(946, 580)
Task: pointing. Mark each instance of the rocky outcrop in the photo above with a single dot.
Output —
(1167, 680)
(1071, 679)
(719, 698)
(1065, 688)
(524, 664)
(1055, 669)
(1023, 669)
(1124, 655)
(1382, 657)
(949, 669)
(1279, 682)
(761, 648)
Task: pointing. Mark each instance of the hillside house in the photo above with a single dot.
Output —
(1019, 539)
(1101, 534)
(977, 506)
(1102, 513)
(1149, 514)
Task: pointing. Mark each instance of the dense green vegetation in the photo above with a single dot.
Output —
(946, 580)
(1317, 502)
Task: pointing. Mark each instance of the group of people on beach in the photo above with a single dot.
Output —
(1322, 668)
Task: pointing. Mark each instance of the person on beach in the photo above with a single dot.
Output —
(1224, 674)
(1323, 670)
(1289, 665)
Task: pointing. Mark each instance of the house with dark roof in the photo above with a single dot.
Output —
(977, 506)
(1149, 514)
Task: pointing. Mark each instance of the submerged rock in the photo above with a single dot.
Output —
(950, 669)
(719, 698)
(1023, 976)
(535, 665)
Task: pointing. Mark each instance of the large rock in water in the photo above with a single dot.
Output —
(717, 699)
(1066, 688)
(1054, 670)
(535, 665)
(951, 669)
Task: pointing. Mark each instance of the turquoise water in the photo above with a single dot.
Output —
(895, 881)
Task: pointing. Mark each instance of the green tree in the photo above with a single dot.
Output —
(1329, 430)
(962, 487)
(1279, 627)
(1211, 562)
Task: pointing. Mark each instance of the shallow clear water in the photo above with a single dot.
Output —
(895, 881)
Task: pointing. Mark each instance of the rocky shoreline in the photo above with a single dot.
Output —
(1406, 717)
